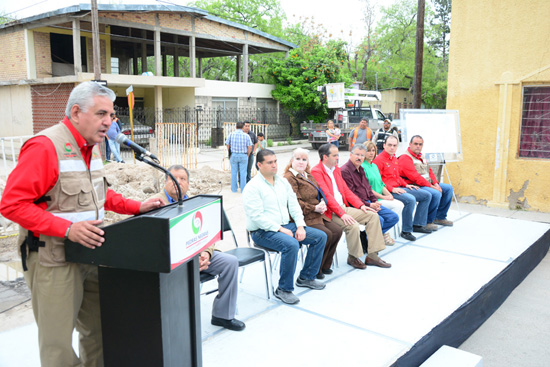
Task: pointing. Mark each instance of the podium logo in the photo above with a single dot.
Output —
(197, 222)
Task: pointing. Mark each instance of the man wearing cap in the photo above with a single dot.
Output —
(382, 133)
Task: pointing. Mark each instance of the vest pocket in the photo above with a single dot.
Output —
(75, 194)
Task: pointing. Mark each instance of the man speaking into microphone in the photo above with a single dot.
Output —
(58, 191)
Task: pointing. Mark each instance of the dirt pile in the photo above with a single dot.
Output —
(134, 181)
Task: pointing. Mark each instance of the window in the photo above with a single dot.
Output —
(535, 123)
(114, 65)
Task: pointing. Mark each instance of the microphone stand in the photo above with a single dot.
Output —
(160, 168)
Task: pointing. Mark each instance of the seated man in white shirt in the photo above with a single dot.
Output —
(268, 200)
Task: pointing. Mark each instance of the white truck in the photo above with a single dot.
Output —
(347, 118)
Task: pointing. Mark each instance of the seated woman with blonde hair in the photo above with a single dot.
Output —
(313, 204)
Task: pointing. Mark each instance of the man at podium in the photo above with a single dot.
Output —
(225, 266)
(58, 191)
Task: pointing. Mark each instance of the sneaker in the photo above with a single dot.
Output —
(286, 297)
(444, 222)
(432, 227)
(388, 240)
(313, 284)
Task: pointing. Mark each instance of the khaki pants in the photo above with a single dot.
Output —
(371, 221)
(63, 298)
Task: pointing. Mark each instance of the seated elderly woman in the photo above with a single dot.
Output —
(313, 205)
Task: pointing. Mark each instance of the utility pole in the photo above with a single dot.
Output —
(419, 55)
(96, 58)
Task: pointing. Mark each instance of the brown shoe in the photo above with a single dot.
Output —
(377, 262)
(432, 227)
(356, 263)
(444, 222)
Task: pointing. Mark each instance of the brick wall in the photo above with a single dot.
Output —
(43, 55)
(48, 104)
(102, 52)
(13, 61)
(217, 29)
(143, 18)
(176, 21)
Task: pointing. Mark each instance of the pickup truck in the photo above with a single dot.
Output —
(347, 119)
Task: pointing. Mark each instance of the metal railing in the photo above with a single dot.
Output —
(9, 148)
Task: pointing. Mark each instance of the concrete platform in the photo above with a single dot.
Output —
(364, 317)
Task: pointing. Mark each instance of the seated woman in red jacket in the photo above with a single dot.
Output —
(313, 205)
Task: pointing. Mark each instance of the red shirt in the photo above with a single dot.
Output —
(409, 172)
(35, 174)
(389, 170)
(325, 183)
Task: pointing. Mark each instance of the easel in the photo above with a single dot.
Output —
(438, 159)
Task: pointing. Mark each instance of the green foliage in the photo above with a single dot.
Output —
(289, 140)
(298, 76)
(264, 15)
(269, 143)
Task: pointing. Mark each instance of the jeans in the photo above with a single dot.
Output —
(249, 167)
(107, 150)
(337, 143)
(440, 203)
(409, 199)
(239, 162)
(288, 247)
(388, 218)
(115, 149)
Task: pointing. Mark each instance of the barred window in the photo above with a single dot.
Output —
(535, 123)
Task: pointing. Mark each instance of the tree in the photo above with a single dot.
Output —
(298, 76)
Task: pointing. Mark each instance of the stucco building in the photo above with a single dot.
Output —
(499, 80)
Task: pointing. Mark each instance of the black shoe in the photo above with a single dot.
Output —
(326, 271)
(421, 229)
(232, 324)
(408, 236)
(320, 275)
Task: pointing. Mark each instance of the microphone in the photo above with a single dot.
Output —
(123, 140)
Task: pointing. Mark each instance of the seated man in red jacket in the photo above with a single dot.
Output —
(414, 170)
(349, 209)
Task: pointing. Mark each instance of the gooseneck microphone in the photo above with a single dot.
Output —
(123, 140)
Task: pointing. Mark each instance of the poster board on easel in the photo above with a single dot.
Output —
(440, 130)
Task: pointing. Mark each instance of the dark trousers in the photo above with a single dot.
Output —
(333, 232)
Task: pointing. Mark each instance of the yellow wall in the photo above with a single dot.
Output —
(497, 47)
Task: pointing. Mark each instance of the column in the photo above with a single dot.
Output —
(245, 63)
(192, 55)
(176, 57)
(77, 52)
(144, 51)
(157, 53)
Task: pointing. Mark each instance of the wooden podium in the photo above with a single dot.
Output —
(149, 283)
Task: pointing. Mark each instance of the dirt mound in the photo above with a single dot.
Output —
(139, 182)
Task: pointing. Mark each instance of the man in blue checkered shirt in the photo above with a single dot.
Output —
(239, 146)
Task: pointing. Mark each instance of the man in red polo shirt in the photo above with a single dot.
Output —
(58, 191)
(406, 193)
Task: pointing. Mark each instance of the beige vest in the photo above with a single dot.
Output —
(422, 168)
(78, 195)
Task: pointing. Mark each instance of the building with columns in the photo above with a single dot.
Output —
(44, 56)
